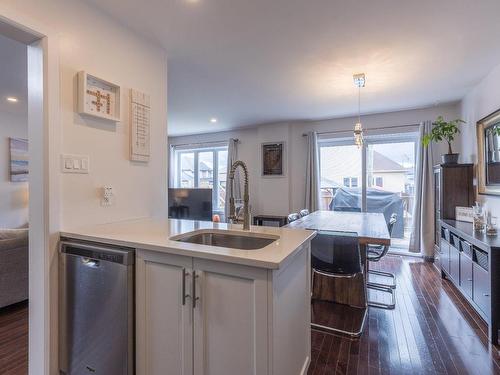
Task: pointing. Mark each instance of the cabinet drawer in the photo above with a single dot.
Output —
(454, 240)
(445, 255)
(481, 289)
(455, 264)
(466, 274)
(481, 258)
(466, 248)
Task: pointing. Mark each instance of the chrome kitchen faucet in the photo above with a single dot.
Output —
(232, 210)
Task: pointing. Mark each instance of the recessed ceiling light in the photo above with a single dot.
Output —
(12, 99)
(213, 120)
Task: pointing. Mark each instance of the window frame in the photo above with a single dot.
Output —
(385, 136)
(175, 172)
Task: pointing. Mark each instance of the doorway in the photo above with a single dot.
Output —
(42, 69)
(14, 201)
(377, 177)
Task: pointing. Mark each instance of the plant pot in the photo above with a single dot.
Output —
(450, 158)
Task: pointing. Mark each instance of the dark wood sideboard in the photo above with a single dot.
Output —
(471, 261)
(453, 186)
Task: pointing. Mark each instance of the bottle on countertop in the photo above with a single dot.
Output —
(479, 218)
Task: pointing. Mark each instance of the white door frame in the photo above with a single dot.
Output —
(44, 134)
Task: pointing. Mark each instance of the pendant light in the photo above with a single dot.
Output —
(359, 81)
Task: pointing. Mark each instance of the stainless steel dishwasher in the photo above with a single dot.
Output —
(96, 309)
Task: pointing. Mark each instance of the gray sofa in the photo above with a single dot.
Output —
(13, 266)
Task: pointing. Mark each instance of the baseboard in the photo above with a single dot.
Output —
(404, 253)
(306, 366)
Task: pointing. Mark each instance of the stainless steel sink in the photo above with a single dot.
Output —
(233, 241)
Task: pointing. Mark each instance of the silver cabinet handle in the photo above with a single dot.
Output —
(486, 295)
(469, 280)
(184, 295)
(195, 276)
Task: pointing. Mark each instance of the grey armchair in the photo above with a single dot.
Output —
(13, 266)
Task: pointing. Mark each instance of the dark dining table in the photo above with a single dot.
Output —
(371, 228)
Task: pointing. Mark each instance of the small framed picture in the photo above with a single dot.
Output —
(273, 159)
(464, 214)
(19, 164)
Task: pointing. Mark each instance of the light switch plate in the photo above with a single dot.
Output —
(75, 163)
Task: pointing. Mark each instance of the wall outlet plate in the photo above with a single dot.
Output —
(107, 196)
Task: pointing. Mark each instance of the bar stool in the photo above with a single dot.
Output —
(374, 254)
(304, 212)
(293, 217)
(337, 255)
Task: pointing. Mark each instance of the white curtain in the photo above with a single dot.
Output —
(312, 173)
(171, 170)
(422, 236)
(232, 156)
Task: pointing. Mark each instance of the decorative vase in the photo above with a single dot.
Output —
(450, 158)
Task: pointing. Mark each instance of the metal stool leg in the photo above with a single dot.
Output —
(385, 274)
(386, 289)
(353, 334)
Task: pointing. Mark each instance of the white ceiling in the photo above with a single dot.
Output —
(256, 61)
(13, 76)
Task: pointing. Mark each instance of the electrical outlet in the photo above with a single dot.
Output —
(107, 196)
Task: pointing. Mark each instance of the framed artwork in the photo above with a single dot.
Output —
(18, 159)
(464, 214)
(273, 159)
(98, 98)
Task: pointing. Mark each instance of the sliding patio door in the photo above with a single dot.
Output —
(341, 173)
(377, 177)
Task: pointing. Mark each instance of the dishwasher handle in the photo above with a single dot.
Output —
(98, 252)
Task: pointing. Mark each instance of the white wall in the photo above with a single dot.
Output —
(13, 195)
(83, 38)
(285, 195)
(89, 40)
(482, 100)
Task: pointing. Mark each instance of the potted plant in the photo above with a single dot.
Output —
(444, 130)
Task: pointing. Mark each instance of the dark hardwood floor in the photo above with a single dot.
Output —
(432, 331)
(14, 339)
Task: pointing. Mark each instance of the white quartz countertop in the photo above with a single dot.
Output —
(156, 234)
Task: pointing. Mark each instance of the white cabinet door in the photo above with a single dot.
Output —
(230, 319)
(164, 316)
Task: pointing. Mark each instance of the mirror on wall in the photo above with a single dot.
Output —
(492, 154)
(488, 137)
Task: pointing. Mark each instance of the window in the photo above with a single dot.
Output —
(350, 182)
(378, 181)
(202, 167)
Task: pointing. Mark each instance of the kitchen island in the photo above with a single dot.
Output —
(206, 307)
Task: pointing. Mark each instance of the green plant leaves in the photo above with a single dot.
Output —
(442, 130)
